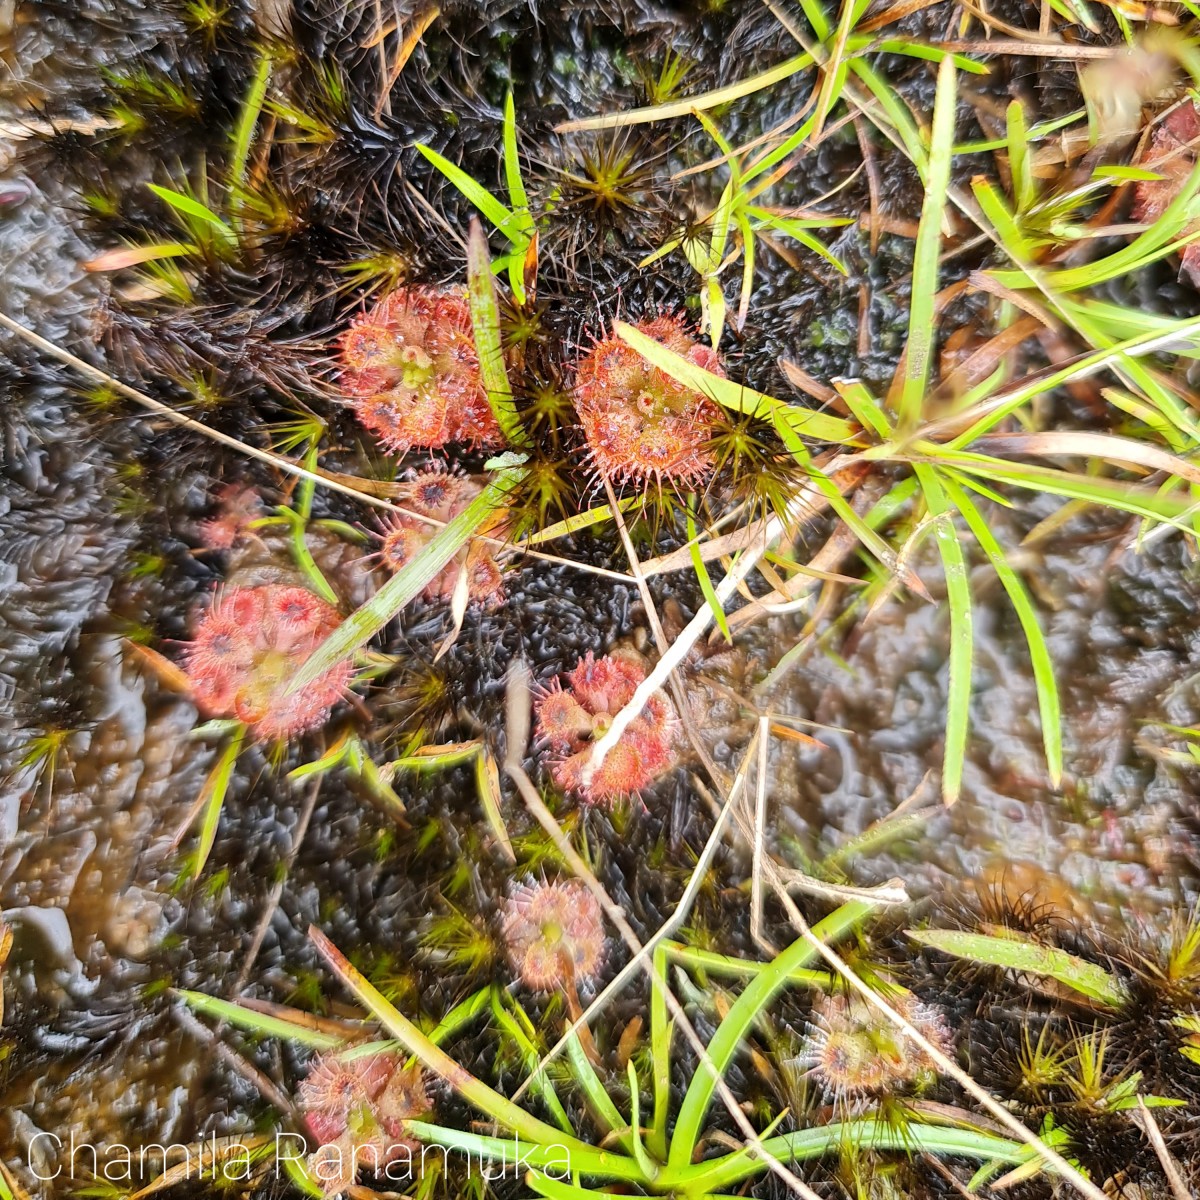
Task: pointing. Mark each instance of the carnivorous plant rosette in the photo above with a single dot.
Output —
(411, 370)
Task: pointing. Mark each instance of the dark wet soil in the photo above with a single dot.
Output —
(100, 508)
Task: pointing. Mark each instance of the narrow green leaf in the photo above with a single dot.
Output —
(502, 217)
(1008, 400)
(1143, 502)
(1163, 237)
(216, 786)
(929, 53)
(897, 113)
(542, 1085)
(1002, 218)
(1049, 706)
(1017, 953)
(733, 395)
(878, 1133)
(1024, 185)
(243, 135)
(1123, 173)
(1036, 134)
(371, 617)
(132, 256)
(596, 1093)
(922, 323)
(643, 1160)
(742, 1015)
(661, 1031)
(485, 321)
(194, 209)
(473, 1090)
(864, 407)
(259, 1023)
(713, 963)
(583, 520)
(563, 1154)
(703, 578)
(797, 228)
(691, 104)
(512, 167)
(487, 786)
(958, 595)
(558, 1189)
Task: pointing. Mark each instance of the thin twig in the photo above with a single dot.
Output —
(165, 410)
(1170, 1167)
(692, 632)
(321, 478)
(760, 817)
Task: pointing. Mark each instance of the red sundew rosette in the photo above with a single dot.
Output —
(442, 495)
(640, 424)
(571, 718)
(1172, 155)
(355, 1108)
(337, 1087)
(248, 647)
(854, 1052)
(411, 371)
(554, 933)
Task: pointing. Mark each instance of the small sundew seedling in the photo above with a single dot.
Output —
(641, 425)
(238, 507)
(411, 371)
(247, 648)
(571, 718)
(442, 495)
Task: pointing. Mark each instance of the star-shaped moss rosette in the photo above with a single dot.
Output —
(354, 1105)
(411, 370)
(247, 648)
(571, 717)
(640, 424)
(443, 495)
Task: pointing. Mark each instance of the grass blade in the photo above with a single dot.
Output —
(731, 395)
(216, 786)
(691, 104)
(1049, 705)
(564, 1154)
(502, 217)
(512, 167)
(922, 323)
(958, 595)
(1015, 953)
(862, 1133)
(745, 1010)
(485, 321)
(589, 1082)
(257, 1022)
(1024, 185)
(244, 133)
(706, 584)
(190, 207)
(435, 1059)
(368, 620)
